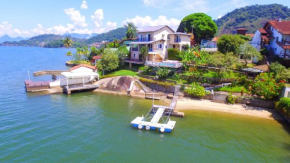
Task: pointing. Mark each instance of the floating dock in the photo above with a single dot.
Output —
(156, 119)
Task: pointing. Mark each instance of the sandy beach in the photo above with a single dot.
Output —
(191, 104)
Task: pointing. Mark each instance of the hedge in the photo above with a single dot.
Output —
(173, 54)
(164, 84)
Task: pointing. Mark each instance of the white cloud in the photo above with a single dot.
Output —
(76, 17)
(157, 3)
(84, 5)
(7, 29)
(110, 26)
(148, 21)
(98, 17)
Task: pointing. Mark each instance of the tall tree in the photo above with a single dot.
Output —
(131, 30)
(230, 43)
(247, 51)
(109, 61)
(122, 53)
(202, 25)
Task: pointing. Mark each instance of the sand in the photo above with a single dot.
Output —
(191, 104)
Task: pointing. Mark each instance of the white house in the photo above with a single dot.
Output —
(158, 39)
(80, 74)
(275, 35)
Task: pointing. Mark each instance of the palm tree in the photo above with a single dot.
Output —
(131, 30)
(67, 42)
(116, 41)
(144, 52)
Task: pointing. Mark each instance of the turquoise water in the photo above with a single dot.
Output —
(91, 127)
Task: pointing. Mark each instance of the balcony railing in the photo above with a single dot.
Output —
(177, 40)
(134, 49)
(144, 39)
(150, 49)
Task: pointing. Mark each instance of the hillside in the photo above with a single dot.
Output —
(251, 17)
(118, 33)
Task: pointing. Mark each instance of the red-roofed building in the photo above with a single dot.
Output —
(275, 35)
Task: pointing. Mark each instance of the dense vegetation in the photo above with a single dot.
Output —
(251, 17)
(118, 33)
(201, 24)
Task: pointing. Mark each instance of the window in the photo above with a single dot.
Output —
(275, 49)
(168, 37)
(159, 46)
(277, 39)
(134, 55)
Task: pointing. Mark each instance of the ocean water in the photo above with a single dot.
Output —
(93, 127)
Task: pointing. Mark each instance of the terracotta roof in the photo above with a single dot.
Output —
(283, 45)
(215, 39)
(251, 35)
(264, 68)
(97, 57)
(283, 26)
(262, 31)
(82, 65)
(265, 38)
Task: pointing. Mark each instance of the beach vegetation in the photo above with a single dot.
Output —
(195, 90)
(231, 99)
(283, 105)
(265, 86)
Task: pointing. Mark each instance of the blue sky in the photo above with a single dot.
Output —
(28, 18)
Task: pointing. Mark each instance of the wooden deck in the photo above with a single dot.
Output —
(48, 72)
(35, 86)
(70, 89)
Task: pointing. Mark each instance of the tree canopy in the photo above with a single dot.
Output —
(131, 30)
(109, 61)
(202, 25)
(230, 43)
(247, 51)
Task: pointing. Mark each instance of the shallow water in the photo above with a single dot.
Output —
(92, 127)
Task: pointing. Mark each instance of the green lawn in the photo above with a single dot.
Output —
(233, 89)
(123, 73)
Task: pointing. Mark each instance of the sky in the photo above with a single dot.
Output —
(27, 18)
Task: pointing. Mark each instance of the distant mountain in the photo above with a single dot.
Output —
(8, 38)
(112, 35)
(80, 36)
(45, 40)
(251, 17)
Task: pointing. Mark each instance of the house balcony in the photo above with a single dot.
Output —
(144, 39)
(177, 40)
(135, 49)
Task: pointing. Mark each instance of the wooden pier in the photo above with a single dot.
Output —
(70, 89)
(36, 86)
(48, 72)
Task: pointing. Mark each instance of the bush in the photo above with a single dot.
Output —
(231, 99)
(264, 86)
(283, 105)
(173, 54)
(145, 70)
(162, 72)
(195, 90)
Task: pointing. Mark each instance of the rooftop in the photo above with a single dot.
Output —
(282, 26)
(83, 65)
(152, 28)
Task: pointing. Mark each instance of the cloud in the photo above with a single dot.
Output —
(7, 29)
(148, 21)
(110, 26)
(84, 5)
(98, 17)
(76, 17)
(157, 3)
